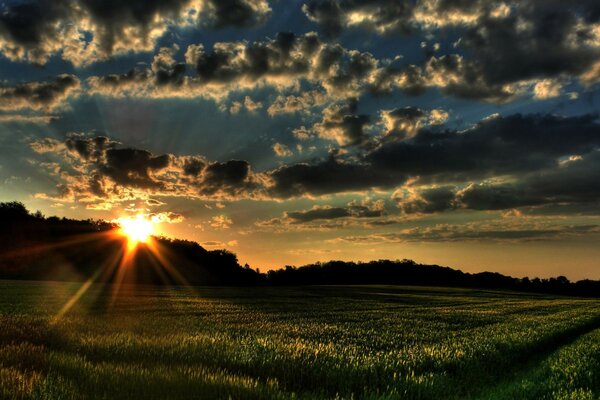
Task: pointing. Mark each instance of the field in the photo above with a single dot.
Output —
(307, 343)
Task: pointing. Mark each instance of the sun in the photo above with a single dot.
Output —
(137, 230)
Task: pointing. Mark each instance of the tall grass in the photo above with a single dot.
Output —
(305, 343)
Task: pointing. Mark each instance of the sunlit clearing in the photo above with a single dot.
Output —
(136, 229)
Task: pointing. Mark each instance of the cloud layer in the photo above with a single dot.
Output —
(86, 31)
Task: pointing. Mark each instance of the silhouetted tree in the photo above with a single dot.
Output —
(36, 247)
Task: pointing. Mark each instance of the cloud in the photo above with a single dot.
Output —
(42, 95)
(281, 150)
(539, 40)
(38, 119)
(575, 182)
(326, 177)
(168, 217)
(234, 177)
(383, 16)
(493, 147)
(475, 232)
(165, 78)
(236, 13)
(434, 165)
(219, 244)
(86, 31)
(509, 46)
(407, 121)
(572, 183)
(499, 163)
(221, 222)
(133, 167)
(302, 133)
(354, 210)
(95, 168)
(288, 60)
(451, 13)
(342, 124)
(318, 213)
(281, 63)
(292, 103)
(400, 16)
(457, 76)
(248, 104)
(425, 201)
(546, 89)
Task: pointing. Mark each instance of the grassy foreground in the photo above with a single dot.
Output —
(305, 343)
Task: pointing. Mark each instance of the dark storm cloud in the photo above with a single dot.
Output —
(38, 95)
(37, 29)
(532, 149)
(233, 177)
(329, 176)
(575, 181)
(131, 167)
(495, 146)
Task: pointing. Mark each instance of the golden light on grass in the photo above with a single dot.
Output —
(137, 230)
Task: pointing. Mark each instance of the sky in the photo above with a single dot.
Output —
(462, 133)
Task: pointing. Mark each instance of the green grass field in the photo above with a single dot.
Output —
(306, 343)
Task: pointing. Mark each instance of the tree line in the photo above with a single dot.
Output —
(33, 246)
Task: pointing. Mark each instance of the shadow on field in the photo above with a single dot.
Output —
(528, 361)
(24, 342)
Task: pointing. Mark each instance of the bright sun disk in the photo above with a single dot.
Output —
(136, 229)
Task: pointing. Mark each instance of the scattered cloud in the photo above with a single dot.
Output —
(42, 95)
(221, 222)
(86, 31)
(281, 150)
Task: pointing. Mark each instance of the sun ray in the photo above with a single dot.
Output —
(104, 270)
(71, 241)
(160, 252)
